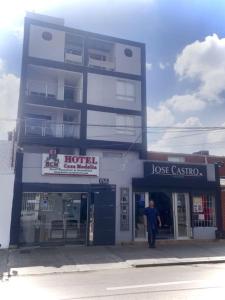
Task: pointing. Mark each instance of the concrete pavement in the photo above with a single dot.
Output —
(156, 283)
(69, 259)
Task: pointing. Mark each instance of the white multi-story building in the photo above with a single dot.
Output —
(82, 112)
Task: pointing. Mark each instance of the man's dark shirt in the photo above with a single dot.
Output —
(151, 214)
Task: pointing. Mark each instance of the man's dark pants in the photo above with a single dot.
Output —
(151, 237)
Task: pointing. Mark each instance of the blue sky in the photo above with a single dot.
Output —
(185, 43)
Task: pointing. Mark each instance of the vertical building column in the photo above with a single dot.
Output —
(83, 119)
(146, 199)
(60, 87)
(143, 153)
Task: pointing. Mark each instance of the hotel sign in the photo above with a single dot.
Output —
(174, 170)
(59, 164)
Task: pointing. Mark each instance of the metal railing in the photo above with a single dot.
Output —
(46, 128)
(45, 89)
(103, 64)
(74, 55)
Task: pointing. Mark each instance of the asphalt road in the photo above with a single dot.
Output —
(177, 282)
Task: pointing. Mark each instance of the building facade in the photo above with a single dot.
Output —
(83, 175)
(186, 190)
(81, 135)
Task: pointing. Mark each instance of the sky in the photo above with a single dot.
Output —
(185, 61)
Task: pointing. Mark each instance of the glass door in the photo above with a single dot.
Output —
(181, 215)
(75, 217)
(141, 201)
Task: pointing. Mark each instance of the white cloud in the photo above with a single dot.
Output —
(1, 65)
(161, 116)
(163, 66)
(185, 103)
(180, 140)
(9, 94)
(216, 141)
(204, 61)
(148, 66)
(189, 140)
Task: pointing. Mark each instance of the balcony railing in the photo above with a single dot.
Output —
(102, 64)
(46, 128)
(49, 90)
(73, 56)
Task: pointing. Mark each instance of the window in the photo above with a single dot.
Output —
(125, 90)
(204, 213)
(128, 52)
(47, 36)
(125, 124)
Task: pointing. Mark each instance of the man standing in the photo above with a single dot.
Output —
(151, 219)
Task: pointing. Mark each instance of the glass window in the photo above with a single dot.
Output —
(52, 217)
(203, 211)
(125, 124)
(125, 90)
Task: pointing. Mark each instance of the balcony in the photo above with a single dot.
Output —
(96, 62)
(46, 84)
(74, 49)
(45, 128)
(44, 89)
(73, 56)
(101, 55)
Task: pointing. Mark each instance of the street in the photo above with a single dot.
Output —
(177, 282)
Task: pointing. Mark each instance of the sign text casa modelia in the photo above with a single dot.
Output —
(60, 164)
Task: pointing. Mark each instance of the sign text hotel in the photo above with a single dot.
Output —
(59, 164)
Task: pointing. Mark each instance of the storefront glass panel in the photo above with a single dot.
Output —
(53, 217)
(203, 210)
(140, 205)
(182, 215)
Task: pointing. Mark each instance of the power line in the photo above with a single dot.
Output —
(182, 128)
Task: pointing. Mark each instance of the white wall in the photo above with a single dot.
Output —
(6, 188)
(131, 65)
(110, 133)
(102, 91)
(40, 48)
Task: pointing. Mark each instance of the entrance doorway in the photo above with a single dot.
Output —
(181, 215)
(164, 204)
(174, 211)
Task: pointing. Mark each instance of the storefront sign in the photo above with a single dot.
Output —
(59, 164)
(174, 170)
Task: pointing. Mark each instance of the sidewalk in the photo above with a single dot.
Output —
(68, 259)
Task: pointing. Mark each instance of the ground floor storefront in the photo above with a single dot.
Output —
(183, 215)
(188, 203)
(107, 208)
(76, 214)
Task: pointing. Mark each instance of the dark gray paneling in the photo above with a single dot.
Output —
(17, 200)
(104, 217)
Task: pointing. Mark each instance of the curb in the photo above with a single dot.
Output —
(178, 263)
(14, 272)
